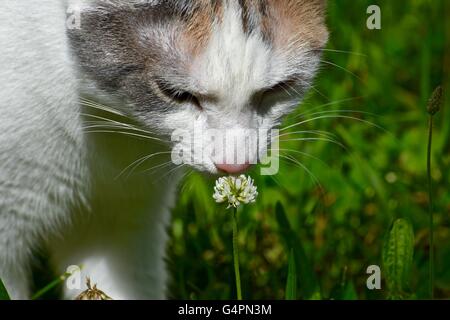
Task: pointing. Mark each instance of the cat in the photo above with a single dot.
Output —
(87, 87)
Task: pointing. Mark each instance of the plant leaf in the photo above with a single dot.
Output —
(345, 290)
(398, 253)
(3, 293)
(307, 283)
(291, 285)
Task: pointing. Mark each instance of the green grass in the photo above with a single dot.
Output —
(3, 292)
(309, 241)
(336, 232)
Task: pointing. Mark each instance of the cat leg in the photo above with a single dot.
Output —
(14, 255)
(127, 263)
(16, 277)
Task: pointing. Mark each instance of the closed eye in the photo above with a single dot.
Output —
(276, 92)
(177, 95)
(283, 87)
(282, 91)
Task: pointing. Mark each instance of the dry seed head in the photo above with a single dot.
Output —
(435, 102)
(92, 293)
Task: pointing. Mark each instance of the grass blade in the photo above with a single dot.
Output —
(307, 283)
(3, 292)
(345, 290)
(291, 285)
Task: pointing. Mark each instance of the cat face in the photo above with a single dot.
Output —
(197, 65)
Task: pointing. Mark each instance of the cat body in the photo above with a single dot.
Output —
(160, 66)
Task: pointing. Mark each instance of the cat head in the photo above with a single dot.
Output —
(198, 65)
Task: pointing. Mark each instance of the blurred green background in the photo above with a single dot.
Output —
(340, 227)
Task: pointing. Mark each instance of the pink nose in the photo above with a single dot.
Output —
(233, 168)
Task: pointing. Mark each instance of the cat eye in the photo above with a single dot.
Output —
(270, 95)
(283, 87)
(178, 96)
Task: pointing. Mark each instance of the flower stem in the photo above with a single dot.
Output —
(430, 209)
(236, 255)
(50, 286)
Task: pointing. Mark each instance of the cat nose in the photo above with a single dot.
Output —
(233, 168)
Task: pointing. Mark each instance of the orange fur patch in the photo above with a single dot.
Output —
(296, 21)
(199, 27)
(286, 23)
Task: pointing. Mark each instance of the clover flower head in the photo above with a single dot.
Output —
(235, 191)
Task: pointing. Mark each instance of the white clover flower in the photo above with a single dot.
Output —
(235, 191)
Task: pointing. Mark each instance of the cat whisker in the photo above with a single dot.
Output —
(286, 90)
(316, 132)
(342, 68)
(340, 51)
(275, 179)
(334, 117)
(293, 89)
(319, 93)
(104, 125)
(100, 125)
(158, 167)
(308, 155)
(310, 86)
(301, 165)
(106, 120)
(317, 139)
(133, 166)
(185, 182)
(323, 106)
(173, 170)
(135, 135)
(89, 103)
(311, 113)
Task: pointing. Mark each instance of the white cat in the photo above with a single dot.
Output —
(158, 66)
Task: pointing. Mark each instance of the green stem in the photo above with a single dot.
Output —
(50, 286)
(236, 255)
(430, 208)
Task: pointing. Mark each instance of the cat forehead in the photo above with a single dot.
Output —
(281, 22)
(251, 47)
(170, 38)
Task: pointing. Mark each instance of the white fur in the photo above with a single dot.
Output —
(52, 192)
(233, 68)
(57, 186)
